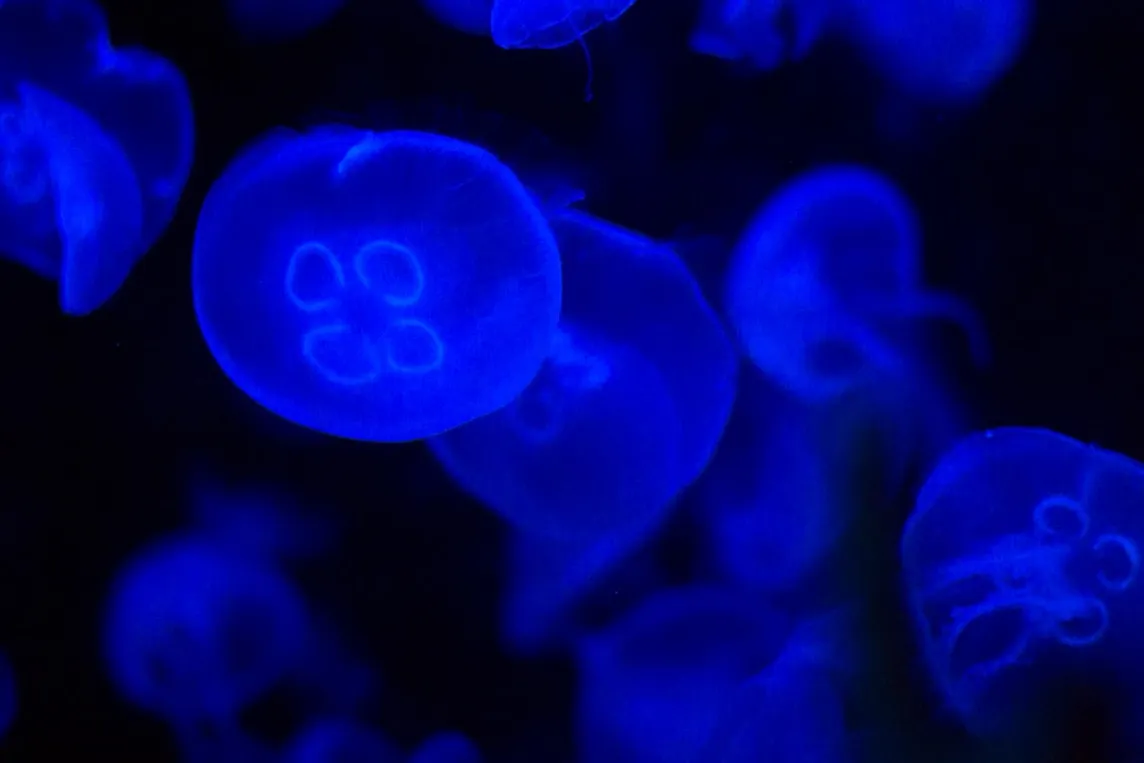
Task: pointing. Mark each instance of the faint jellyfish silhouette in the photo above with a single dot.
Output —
(942, 51)
(95, 147)
(7, 695)
(653, 684)
(275, 20)
(1021, 563)
(404, 283)
(446, 747)
(550, 23)
(468, 16)
(339, 740)
(766, 33)
(196, 631)
(825, 280)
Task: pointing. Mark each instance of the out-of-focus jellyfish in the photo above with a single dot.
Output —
(629, 407)
(446, 747)
(824, 286)
(275, 20)
(197, 631)
(654, 684)
(7, 695)
(550, 23)
(375, 286)
(1022, 565)
(943, 51)
(95, 147)
(469, 16)
(339, 740)
(766, 33)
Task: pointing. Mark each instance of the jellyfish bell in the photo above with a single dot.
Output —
(332, 740)
(550, 23)
(767, 33)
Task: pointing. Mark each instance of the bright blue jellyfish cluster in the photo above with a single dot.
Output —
(1022, 558)
(195, 631)
(550, 23)
(632, 399)
(824, 282)
(275, 20)
(95, 147)
(7, 695)
(446, 747)
(654, 684)
(943, 51)
(766, 33)
(375, 286)
(334, 740)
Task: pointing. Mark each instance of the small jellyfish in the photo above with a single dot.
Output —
(766, 33)
(940, 51)
(446, 747)
(825, 279)
(550, 23)
(7, 695)
(1022, 563)
(278, 20)
(654, 684)
(95, 148)
(339, 740)
(375, 286)
(193, 630)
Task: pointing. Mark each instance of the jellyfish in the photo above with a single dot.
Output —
(550, 23)
(939, 51)
(653, 685)
(823, 286)
(446, 747)
(340, 740)
(95, 148)
(1021, 564)
(278, 21)
(195, 631)
(766, 33)
(375, 286)
(7, 695)
(468, 16)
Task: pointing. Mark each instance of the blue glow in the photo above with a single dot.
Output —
(767, 33)
(550, 23)
(1022, 557)
(654, 684)
(446, 747)
(192, 630)
(336, 740)
(375, 286)
(469, 16)
(945, 51)
(280, 19)
(95, 147)
(825, 280)
(7, 695)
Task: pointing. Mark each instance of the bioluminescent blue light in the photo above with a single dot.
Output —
(7, 695)
(469, 16)
(275, 20)
(376, 286)
(550, 23)
(1022, 557)
(767, 33)
(824, 283)
(943, 51)
(340, 740)
(653, 685)
(446, 747)
(192, 630)
(95, 147)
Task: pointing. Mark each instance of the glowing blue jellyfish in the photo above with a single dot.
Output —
(943, 51)
(7, 695)
(95, 147)
(824, 283)
(767, 33)
(338, 740)
(196, 631)
(629, 406)
(1022, 562)
(469, 16)
(653, 685)
(375, 286)
(275, 20)
(550, 23)
(446, 747)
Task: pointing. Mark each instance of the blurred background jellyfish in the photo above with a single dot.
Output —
(193, 631)
(1022, 564)
(468, 16)
(278, 20)
(446, 747)
(653, 684)
(550, 23)
(340, 740)
(939, 51)
(7, 695)
(95, 147)
(766, 33)
(375, 286)
(824, 286)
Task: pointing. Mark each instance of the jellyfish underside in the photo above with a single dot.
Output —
(550, 23)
